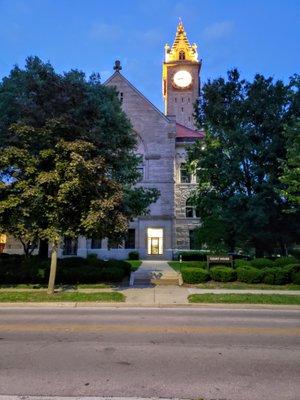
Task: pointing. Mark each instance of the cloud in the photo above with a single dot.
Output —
(105, 31)
(218, 30)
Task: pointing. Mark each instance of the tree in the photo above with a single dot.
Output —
(67, 162)
(291, 172)
(240, 162)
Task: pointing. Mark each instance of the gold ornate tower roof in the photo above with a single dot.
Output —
(181, 49)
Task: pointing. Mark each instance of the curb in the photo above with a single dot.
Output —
(149, 305)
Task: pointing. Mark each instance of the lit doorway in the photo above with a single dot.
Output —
(155, 241)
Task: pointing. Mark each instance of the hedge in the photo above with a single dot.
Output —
(195, 275)
(223, 274)
(241, 263)
(72, 270)
(283, 261)
(249, 275)
(276, 276)
(262, 263)
(133, 255)
(191, 255)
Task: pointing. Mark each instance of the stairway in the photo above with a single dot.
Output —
(155, 273)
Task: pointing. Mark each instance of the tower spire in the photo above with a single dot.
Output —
(181, 48)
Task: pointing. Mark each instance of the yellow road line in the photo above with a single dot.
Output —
(144, 329)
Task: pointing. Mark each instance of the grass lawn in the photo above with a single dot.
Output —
(37, 286)
(185, 264)
(244, 298)
(39, 296)
(242, 285)
(135, 264)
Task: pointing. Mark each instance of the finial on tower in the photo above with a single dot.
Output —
(117, 66)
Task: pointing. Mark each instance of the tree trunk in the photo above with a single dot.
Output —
(53, 267)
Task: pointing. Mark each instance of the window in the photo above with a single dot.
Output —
(130, 239)
(181, 55)
(175, 99)
(181, 99)
(96, 243)
(193, 239)
(70, 246)
(121, 97)
(191, 210)
(182, 109)
(140, 170)
(185, 176)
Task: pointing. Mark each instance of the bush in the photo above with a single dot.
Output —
(113, 274)
(242, 263)
(195, 275)
(249, 275)
(92, 259)
(133, 255)
(293, 271)
(191, 255)
(283, 261)
(70, 262)
(123, 265)
(262, 263)
(276, 276)
(223, 274)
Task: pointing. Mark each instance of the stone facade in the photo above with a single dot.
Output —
(162, 139)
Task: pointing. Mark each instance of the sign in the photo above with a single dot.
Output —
(219, 260)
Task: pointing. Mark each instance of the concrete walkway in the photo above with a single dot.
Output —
(155, 271)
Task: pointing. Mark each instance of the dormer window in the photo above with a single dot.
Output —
(181, 55)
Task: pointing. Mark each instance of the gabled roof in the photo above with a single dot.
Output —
(184, 132)
(118, 74)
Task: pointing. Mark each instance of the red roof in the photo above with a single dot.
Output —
(184, 132)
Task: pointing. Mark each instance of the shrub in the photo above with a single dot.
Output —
(223, 274)
(195, 275)
(191, 255)
(262, 263)
(92, 259)
(293, 271)
(276, 276)
(133, 255)
(249, 275)
(113, 274)
(283, 261)
(241, 263)
(70, 262)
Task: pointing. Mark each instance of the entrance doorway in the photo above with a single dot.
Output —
(155, 241)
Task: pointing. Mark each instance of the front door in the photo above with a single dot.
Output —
(154, 245)
(155, 241)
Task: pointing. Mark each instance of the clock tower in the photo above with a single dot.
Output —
(180, 78)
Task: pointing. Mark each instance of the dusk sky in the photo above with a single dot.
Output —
(255, 36)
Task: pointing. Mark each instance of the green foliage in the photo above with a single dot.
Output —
(223, 274)
(276, 276)
(241, 263)
(249, 275)
(133, 255)
(296, 278)
(239, 163)
(293, 272)
(291, 174)
(72, 270)
(283, 261)
(262, 263)
(191, 255)
(67, 158)
(195, 275)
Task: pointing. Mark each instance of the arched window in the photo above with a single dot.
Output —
(181, 55)
(185, 176)
(191, 211)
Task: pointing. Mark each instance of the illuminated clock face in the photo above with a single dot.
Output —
(182, 79)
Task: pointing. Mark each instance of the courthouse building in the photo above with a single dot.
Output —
(162, 139)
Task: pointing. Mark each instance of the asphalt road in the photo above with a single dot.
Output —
(184, 353)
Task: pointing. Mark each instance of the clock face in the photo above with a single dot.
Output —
(182, 79)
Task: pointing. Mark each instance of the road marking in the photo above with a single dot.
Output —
(154, 329)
